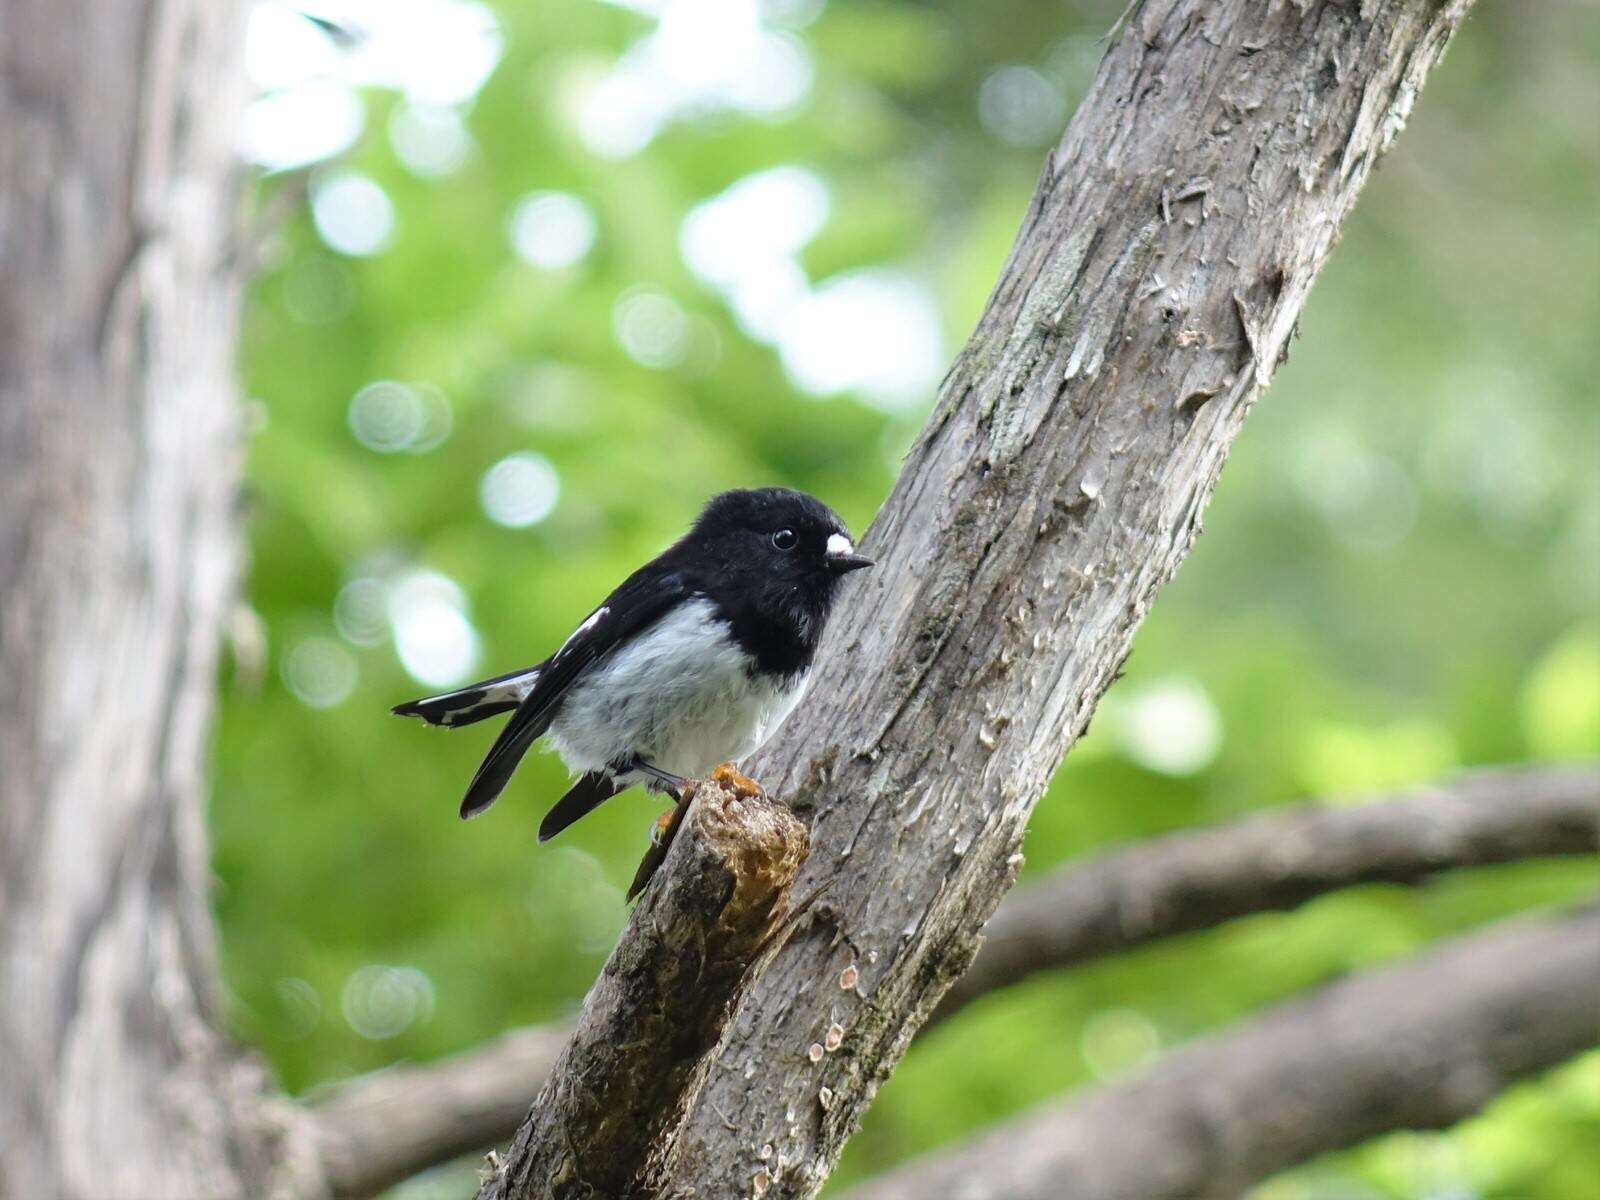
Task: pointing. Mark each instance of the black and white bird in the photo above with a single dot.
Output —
(693, 661)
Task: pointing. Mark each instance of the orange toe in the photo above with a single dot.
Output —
(729, 777)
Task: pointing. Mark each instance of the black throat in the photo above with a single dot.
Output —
(777, 627)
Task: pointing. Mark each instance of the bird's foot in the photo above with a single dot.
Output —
(729, 777)
(667, 823)
(657, 780)
(661, 835)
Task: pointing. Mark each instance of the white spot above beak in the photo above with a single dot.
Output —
(839, 546)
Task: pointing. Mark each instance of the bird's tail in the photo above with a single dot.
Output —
(591, 791)
(486, 698)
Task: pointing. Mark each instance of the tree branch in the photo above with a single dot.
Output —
(659, 1005)
(1058, 484)
(1279, 860)
(1415, 1046)
(380, 1128)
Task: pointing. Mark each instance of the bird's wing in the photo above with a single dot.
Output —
(639, 602)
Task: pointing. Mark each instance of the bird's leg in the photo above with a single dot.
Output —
(664, 781)
(661, 833)
(741, 785)
(666, 826)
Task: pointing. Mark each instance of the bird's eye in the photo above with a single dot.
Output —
(785, 539)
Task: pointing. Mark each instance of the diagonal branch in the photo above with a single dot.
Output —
(1278, 860)
(1161, 267)
(1419, 1045)
(624, 1076)
(378, 1129)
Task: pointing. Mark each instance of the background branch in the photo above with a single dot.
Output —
(1278, 860)
(377, 1129)
(1419, 1045)
(380, 1128)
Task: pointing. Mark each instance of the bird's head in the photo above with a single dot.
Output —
(783, 544)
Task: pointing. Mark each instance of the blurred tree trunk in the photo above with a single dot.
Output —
(119, 548)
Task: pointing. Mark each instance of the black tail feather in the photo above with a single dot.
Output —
(591, 791)
(473, 703)
(524, 728)
(454, 711)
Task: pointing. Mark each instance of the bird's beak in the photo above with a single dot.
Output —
(842, 556)
(842, 563)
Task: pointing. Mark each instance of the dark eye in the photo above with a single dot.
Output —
(785, 539)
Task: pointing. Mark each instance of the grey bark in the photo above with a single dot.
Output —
(1151, 292)
(1278, 860)
(380, 1128)
(716, 908)
(119, 454)
(1420, 1045)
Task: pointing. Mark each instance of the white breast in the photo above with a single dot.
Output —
(681, 696)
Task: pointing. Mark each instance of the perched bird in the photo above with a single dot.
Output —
(693, 661)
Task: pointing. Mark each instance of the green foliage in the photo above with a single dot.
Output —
(1399, 577)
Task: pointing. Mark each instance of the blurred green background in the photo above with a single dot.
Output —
(538, 278)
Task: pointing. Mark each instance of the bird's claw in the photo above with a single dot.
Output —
(661, 835)
(740, 785)
(666, 826)
(661, 832)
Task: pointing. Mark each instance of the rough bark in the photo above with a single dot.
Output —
(1278, 860)
(1415, 1046)
(119, 453)
(1151, 293)
(380, 1128)
(716, 908)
